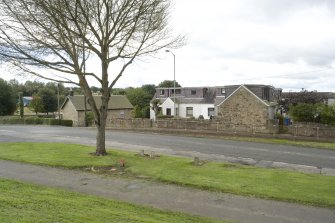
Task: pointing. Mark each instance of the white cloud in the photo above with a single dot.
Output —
(287, 43)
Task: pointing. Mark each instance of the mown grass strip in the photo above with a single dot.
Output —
(275, 184)
(20, 202)
(310, 144)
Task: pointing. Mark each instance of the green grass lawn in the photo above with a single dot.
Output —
(20, 202)
(275, 184)
(311, 144)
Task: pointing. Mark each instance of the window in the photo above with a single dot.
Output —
(223, 90)
(189, 111)
(168, 111)
(210, 112)
(266, 93)
(178, 91)
(193, 92)
(161, 92)
(121, 114)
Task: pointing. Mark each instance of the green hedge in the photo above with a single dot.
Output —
(34, 121)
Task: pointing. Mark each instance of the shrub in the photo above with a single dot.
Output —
(319, 113)
(34, 121)
(164, 116)
(201, 117)
(303, 112)
(11, 120)
(89, 118)
(65, 122)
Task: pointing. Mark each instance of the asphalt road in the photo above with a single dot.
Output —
(177, 145)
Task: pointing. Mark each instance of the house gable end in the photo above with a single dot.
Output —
(167, 101)
(249, 91)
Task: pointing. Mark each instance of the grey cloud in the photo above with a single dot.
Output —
(271, 10)
(262, 52)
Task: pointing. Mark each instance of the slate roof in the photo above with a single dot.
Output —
(115, 102)
(208, 98)
(250, 92)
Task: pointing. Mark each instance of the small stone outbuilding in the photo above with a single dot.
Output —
(74, 108)
(245, 111)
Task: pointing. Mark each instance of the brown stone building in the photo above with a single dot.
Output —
(244, 110)
(74, 108)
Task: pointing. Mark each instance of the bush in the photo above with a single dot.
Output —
(46, 116)
(201, 117)
(11, 120)
(65, 122)
(164, 116)
(303, 112)
(89, 118)
(34, 121)
(318, 113)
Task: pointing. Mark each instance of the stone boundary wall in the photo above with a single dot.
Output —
(137, 123)
(214, 125)
(312, 130)
(199, 125)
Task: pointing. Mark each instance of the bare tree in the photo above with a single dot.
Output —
(63, 35)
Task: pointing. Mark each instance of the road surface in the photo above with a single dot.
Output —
(175, 145)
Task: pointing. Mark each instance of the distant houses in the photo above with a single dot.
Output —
(75, 107)
(235, 105)
(26, 101)
(204, 101)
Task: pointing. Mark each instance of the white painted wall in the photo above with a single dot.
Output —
(198, 109)
(168, 103)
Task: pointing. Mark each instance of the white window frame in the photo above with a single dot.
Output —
(189, 111)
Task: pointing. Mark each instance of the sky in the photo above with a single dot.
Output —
(289, 44)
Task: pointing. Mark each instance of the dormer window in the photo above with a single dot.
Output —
(161, 92)
(178, 91)
(223, 91)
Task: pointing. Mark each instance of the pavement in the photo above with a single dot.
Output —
(169, 197)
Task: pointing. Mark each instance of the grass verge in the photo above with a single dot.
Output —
(275, 184)
(21, 202)
(310, 144)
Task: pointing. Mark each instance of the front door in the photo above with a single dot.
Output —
(168, 111)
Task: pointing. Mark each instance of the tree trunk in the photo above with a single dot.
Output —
(101, 135)
(101, 143)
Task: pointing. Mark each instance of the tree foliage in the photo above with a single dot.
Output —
(36, 104)
(155, 107)
(149, 88)
(62, 35)
(140, 98)
(307, 97)
(7, 99)
(318, 113)
(49, 100)
(168, 84)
